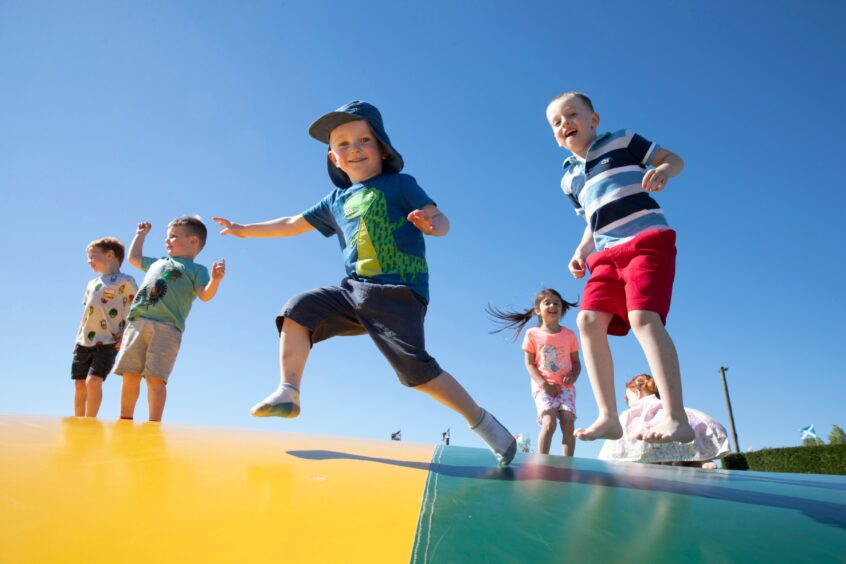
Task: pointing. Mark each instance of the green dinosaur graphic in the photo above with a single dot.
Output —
(377, 248)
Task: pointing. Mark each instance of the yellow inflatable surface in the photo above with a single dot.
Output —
(84, 490)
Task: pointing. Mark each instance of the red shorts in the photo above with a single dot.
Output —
(636, 275)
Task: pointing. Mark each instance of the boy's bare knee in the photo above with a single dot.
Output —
(643, 320)
(156, 383)
(593, 321)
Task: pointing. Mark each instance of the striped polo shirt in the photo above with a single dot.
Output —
(606, 188)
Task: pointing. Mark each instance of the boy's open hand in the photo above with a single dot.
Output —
(229, 228)
(654, 180)
(422, 221)
(569, 379)
(218, 270)
(143, 228)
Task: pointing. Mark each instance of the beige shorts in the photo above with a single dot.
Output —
(148, 348)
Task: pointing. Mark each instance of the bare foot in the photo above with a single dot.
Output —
(602, 428)
(709, 465)
(668, 431)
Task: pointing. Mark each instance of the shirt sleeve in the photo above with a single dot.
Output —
(201, 278)
(413, 195)
(642, 150)
(146, 263)
(574, 343)
(320, 216)
(529, 344)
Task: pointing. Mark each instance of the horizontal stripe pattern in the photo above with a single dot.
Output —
(607, 187)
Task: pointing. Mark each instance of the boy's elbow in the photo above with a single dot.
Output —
(205, 295)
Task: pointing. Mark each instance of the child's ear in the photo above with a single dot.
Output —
(333, 158)
(594, 121)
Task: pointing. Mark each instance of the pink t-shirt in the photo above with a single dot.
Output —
(552, 353)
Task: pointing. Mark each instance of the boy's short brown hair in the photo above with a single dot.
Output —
(193, 225)
(109, 244)
(583, 97)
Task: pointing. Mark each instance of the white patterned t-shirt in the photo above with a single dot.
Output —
(107, 300)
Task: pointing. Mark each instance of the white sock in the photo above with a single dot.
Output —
(496, 436)
(284, 402)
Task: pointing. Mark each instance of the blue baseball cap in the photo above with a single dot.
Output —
(354, 111)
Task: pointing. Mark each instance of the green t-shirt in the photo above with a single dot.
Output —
(168, 290)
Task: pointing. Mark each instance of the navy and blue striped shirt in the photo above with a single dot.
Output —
(606, 188)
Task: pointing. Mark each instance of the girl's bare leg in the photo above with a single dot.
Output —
(547, 431)
(568, 440)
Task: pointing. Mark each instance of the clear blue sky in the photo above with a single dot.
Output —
(116, 112)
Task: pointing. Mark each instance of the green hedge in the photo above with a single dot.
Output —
(821, 459)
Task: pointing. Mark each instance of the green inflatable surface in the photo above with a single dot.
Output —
(553, 509)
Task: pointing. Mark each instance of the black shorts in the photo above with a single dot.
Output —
(95, 361)
(392, 316)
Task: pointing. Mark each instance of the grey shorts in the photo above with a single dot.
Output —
(392, 316)
(148, 348)
(92, 361)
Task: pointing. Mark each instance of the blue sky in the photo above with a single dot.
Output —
(113, 113)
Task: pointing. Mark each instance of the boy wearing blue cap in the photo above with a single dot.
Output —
(379, 217)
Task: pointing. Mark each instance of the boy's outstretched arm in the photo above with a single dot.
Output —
(207, 292)
(136, 248)
(280, 227)
(667, 165)
(430, 220)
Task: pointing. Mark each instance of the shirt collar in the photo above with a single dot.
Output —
(574, 159)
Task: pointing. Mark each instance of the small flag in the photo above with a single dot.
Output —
(396, 436)
(445, 436)
(808, 432)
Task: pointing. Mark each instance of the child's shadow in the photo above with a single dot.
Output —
(821, 511)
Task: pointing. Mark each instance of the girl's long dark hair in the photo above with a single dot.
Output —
(517, 320)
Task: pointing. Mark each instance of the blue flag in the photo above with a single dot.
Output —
(808, 432)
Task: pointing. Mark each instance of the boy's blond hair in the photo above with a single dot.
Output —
(579, 95)
(109, 244)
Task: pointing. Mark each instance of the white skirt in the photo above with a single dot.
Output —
(710, 440)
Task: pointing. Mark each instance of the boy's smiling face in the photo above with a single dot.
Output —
(355, 149)
(573, 124)
(181, 244)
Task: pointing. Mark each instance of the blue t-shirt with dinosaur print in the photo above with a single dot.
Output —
(380, 245)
